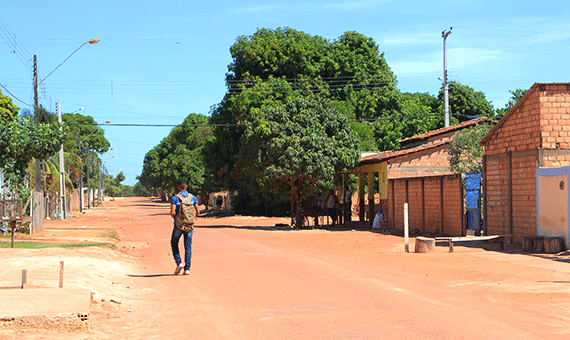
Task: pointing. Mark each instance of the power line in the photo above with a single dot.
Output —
(16, 47)
(302, 80)
(16, 41)
(155, 125)
(18, 99)
(231, 125)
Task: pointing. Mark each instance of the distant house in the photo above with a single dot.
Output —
(420, 176)
(530, 145)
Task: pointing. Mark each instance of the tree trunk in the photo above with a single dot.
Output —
(298, 214)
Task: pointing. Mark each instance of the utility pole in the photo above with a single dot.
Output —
(444, 35)
(80, 174)
(37, 195)
(88, 182)
(61, 167)
(99, 196)
(37, 208)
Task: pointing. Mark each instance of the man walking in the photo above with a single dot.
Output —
(179, 206)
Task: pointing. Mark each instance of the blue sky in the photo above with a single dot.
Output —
(158, 61)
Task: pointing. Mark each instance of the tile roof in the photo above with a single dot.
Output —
(445, 130)
(386, 155)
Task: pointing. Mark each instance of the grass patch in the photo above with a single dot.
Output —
(40, 245)
(112, 234)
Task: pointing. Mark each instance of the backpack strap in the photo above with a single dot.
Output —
(182, 199)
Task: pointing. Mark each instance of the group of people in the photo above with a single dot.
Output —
(332, 204)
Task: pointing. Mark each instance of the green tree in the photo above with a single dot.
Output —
(22, 140)
(113, 186)
(465, 102)
(273, 67)
(179, 155)
(301, 143)
(420, 117)
(465, 154)
(516, 95)
(140, 190)
(85, 129)
(8, 111)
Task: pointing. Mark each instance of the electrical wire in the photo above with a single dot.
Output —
(16, 48)
(18, 99)
(233, 125)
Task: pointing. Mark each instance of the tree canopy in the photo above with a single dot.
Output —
(8, 111)
(273, 67)
(301, 143)
(465, 102)
(516, 95)
(179, 155)
(86, 129)
(465, 154)
(22, 140)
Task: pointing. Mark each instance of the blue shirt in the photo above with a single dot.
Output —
(176, 201)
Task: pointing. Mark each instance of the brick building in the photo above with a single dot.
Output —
(420, 176)
(534, 134)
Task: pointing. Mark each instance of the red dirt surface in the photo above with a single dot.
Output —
(252, 280)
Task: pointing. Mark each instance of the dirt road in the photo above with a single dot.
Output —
(250, 280)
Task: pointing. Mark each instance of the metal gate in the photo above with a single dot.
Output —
(473, 200)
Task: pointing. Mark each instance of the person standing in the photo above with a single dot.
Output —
(347, 204)
(332, 204)
(186, 230)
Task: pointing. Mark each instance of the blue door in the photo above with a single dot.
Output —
(472, 200)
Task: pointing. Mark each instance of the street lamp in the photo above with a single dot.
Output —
(37, 207)
(80, 172)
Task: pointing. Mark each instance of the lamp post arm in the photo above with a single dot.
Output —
(92, 132)
(92, 41)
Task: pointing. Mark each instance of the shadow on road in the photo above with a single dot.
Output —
(150, 275)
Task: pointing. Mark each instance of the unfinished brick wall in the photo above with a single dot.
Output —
(425, 209)
(453, 206)
(415, 202)
(555, 116)
(397, 204)
(511, 194)
(521, 131)
(430, 162)
(524, 195)
(433, 218)
(496, 195)
(536, 134)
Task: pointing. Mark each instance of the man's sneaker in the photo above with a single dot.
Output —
(187, 272)
(178, 269)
